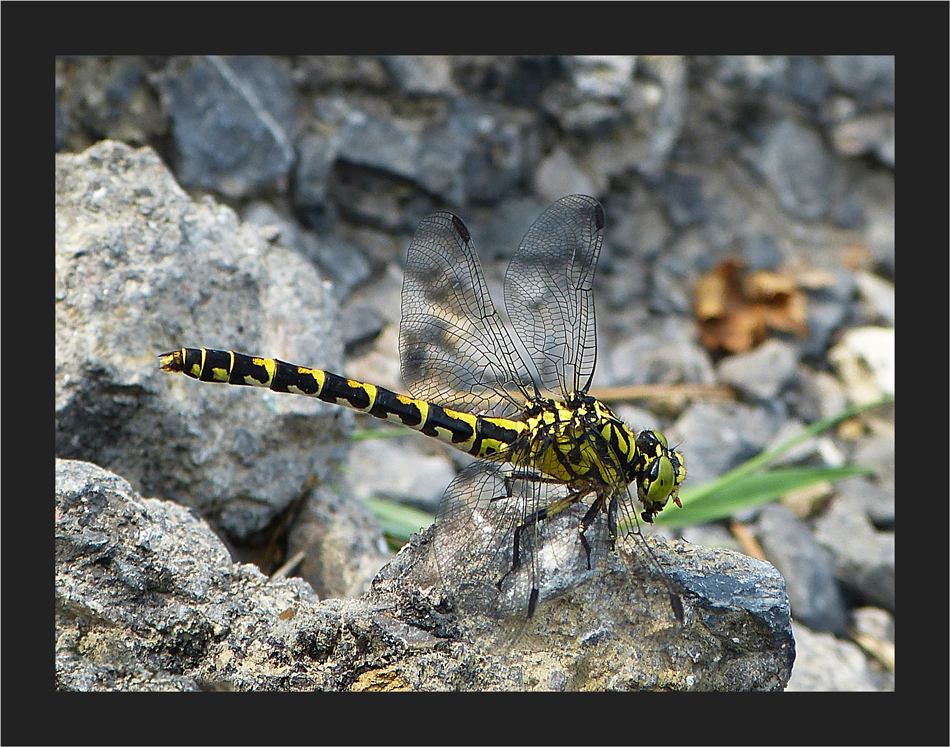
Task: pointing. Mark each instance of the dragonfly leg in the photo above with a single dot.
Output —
(596, 507)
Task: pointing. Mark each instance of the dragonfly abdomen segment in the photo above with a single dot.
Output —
(477, 435)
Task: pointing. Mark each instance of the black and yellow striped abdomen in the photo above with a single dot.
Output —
(474, 434)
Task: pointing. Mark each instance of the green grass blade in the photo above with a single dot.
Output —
(369, 434)
(754, 490)
(766, 457)
(399, 521)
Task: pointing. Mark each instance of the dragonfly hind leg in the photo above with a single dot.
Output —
(547, 512)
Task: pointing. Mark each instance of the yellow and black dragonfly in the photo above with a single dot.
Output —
(557, 475)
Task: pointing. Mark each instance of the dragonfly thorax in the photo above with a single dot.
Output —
(580, 439)
(581, 442)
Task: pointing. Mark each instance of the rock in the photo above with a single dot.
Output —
(869, 77)
(147, 599)
(763, 373)
(419, 481)
(558, 175)
(827, 664)
(662, 352)
(864, 557)
(147, 596)
(800, 170)
(142, 269)
(813, 591)
(602, 76)
(421, 74)
(865, 359)
(721, 435)
(877, 299)
(232, 121)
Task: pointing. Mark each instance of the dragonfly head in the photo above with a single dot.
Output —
(662, 473)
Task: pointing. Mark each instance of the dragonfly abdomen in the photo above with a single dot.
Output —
(474, 434)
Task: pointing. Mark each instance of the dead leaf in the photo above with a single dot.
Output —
(736, 310)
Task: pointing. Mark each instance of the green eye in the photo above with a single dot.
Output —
(661, 481)
(651, 443)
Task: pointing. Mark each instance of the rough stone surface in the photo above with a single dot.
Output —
(232, 118)
(815, 597)
(142, 269)
(148, 599)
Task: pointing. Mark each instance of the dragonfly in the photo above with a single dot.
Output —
(558, 479)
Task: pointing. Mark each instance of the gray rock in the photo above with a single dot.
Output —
(760, 250)
(807, 79)
(807, 566)
(146, 593)
(390, 145)
(877, 451)
(763, 373)
(359, 323)
(718, 436)
(107, 97)
(421, 74)
(751, 72)
(829, 308)
(877, 299)
(601, 76)
(142, 269)
(147, 599)
(864, 557)
(669, 117)
(558, 175)
(868, 77)
(869, 496)
(820, 450)
(335, 72)
(800, 170)
(232, 121)
(876, 622)
(827, 664)
(515, 79)
(504, 150)
(868, 133)
(338, 260)
(820, 395)
(662, 352)
(419, 481)
(429, 156)
(682, 199)
(62, 127)
(316, 154)
(875, 628)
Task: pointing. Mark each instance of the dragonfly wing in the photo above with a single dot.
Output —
(497, 551)
(549, 292)
(454, 348)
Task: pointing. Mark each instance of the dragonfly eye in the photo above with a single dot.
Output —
(651, 444)
(659, 480)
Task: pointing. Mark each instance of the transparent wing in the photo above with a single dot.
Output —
(489, 564)
(549, 294)
(453, 346)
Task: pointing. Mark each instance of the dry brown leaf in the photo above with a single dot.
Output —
(736, 309)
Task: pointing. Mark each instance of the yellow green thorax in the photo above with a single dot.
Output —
(587, 440)
(581, 442)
